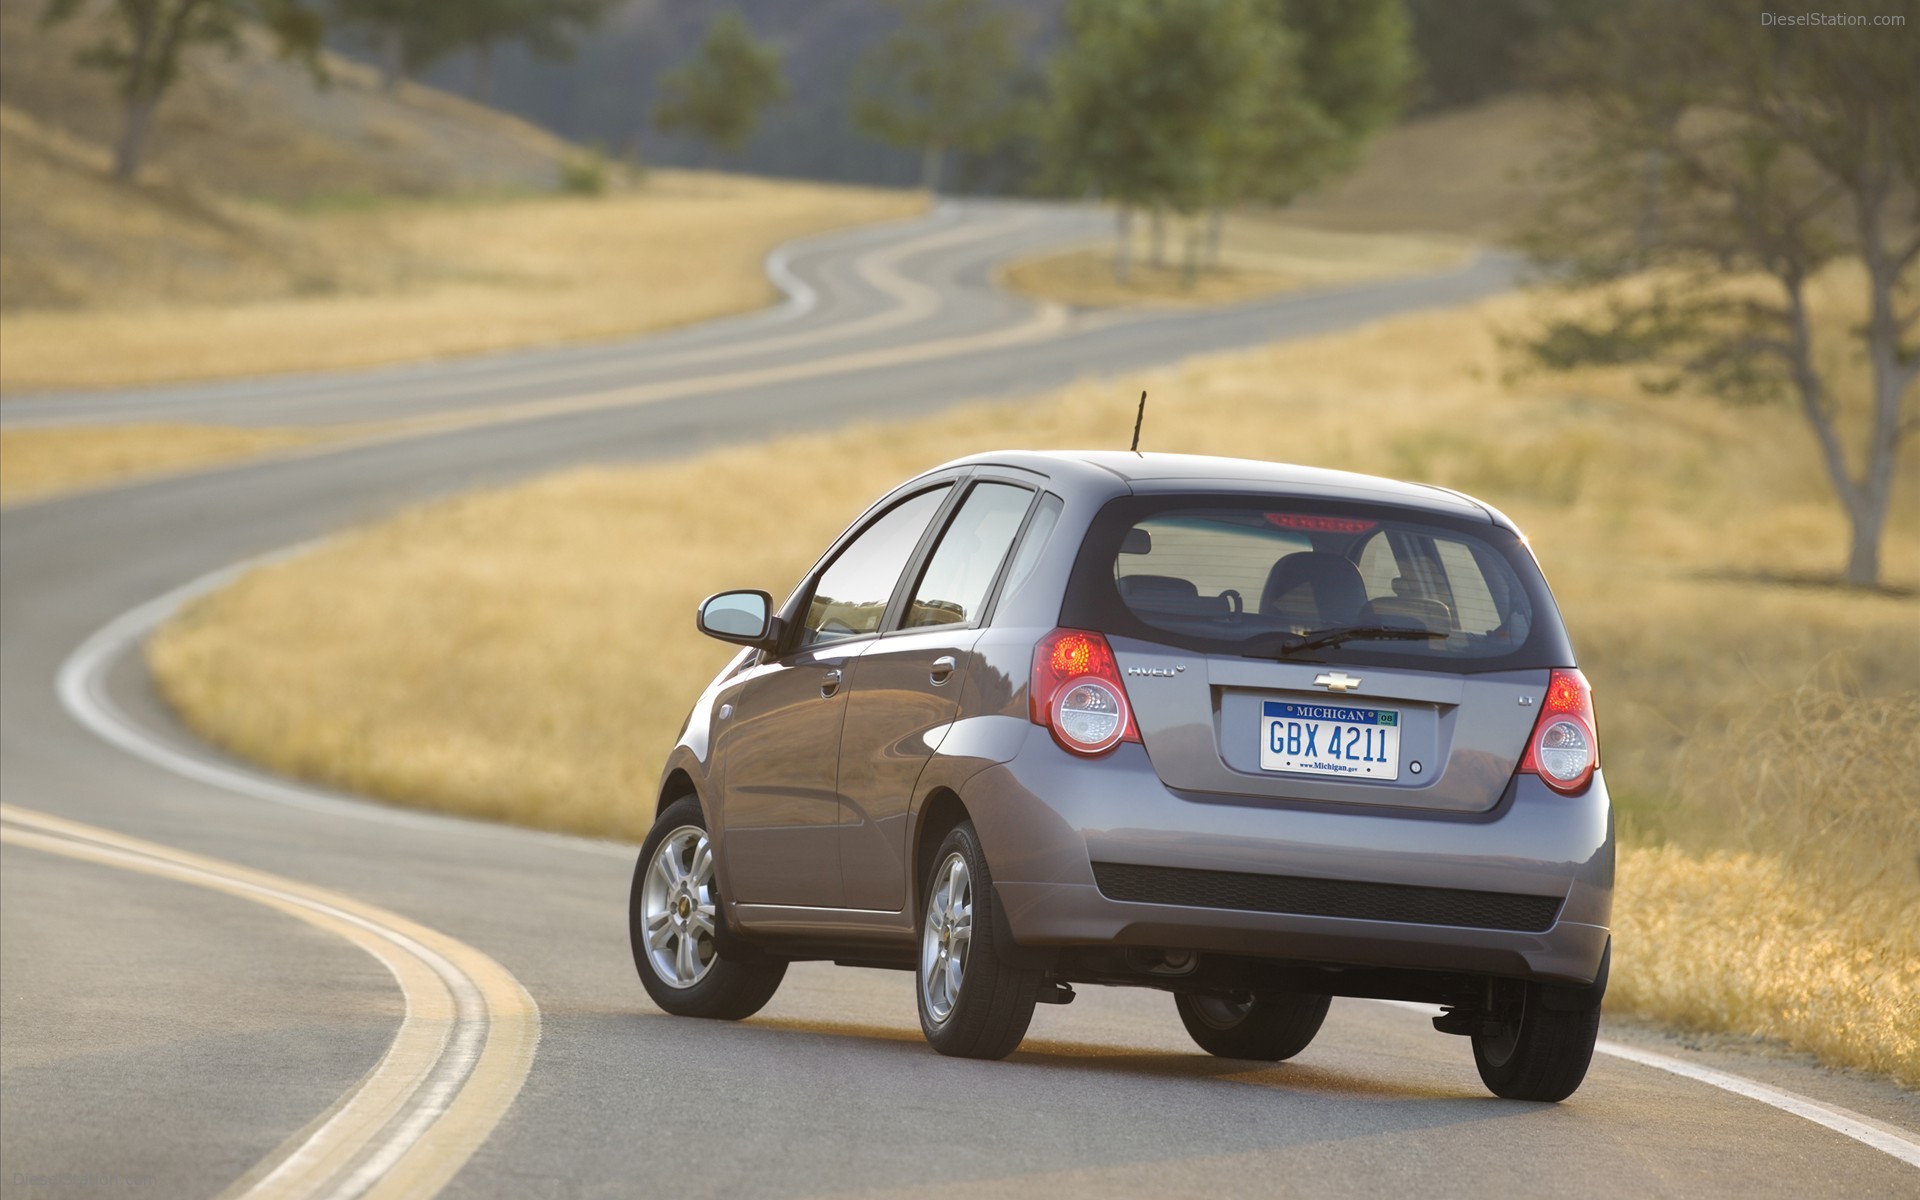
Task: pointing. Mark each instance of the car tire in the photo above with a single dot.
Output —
(1542, 1051)
(972, 1003)
(1269, 1028)
(676, 925)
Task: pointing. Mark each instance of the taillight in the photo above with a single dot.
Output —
(1563, 749)
(1077, 694)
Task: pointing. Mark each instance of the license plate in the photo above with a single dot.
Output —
(1329, 739)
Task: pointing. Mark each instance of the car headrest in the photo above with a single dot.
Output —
(1314, 590)
(1157, 591)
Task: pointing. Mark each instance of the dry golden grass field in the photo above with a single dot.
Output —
(41, 462)
(279, 226)
(1259, 256)
(527, 655)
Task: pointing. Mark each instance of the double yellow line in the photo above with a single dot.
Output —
(453, 1069)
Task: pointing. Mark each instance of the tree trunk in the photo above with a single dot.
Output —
(483, 72)
(1863, 549)
(932, 155)
(1216, 222)
(393, 57)
(1891, 380)
(1865, 501)
(1158, 228)
(1647, 228)
(1123, 245)
(133, 137)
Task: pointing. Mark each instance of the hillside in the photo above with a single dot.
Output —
(239, 147)
(279, 226)
(259, 128)
(70, 237)
(1469, 171)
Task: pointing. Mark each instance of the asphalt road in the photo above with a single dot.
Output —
(212, 982)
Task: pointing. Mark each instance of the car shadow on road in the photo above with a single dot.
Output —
(1132, 1062)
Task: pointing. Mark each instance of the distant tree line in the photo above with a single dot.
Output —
(410, 35)
(1191, 106)
(1162, 106)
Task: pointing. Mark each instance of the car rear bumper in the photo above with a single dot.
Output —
(1101, 853)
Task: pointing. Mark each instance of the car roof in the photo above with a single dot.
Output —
(1155, 472)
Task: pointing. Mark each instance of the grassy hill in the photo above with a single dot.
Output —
(240, 147)
(280, 226)
(255, 127)
(1468, 171)
(70, 237)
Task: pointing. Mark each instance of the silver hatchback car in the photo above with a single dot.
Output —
(1256, 735)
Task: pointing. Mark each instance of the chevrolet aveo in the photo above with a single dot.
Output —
(1255, 735)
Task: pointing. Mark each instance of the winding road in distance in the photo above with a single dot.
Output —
(215, 983)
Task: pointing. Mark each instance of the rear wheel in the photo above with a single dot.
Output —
(1541, 1052)
(675, 924)
(1267, 1028)
(972, 1005)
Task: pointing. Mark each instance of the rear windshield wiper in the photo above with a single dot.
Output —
(1295, 643)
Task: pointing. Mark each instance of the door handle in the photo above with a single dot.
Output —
(942, 669)
(830, 683)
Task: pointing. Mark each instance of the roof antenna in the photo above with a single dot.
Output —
(1137, 418)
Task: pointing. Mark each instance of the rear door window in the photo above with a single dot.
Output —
(961, 570)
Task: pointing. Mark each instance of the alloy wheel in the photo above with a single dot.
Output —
(677, 906)
(946, 936)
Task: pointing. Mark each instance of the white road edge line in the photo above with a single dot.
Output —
(78, 683)
(1866, 1130)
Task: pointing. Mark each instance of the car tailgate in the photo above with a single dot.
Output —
(1204, 720)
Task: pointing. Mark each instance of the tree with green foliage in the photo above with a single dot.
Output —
(1173, 105)
(719, 96)
(1473, 52)
(1341, 71)
(1736, 163)
(1158, 103)
(941, 81)
(142, 51)
(408, 35)
(411, 35)
(548, 28)
(1353, 68)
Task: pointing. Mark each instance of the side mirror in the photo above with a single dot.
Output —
(742, 617)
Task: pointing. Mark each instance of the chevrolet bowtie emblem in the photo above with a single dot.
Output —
(1336, 681)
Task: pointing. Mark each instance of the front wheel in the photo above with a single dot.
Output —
(1540, 1052)
(674, 917)
(972, 1005)
(1268, 1028)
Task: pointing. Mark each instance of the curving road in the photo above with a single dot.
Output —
(212, 982)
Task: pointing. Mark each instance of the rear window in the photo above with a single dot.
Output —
(1254, 575)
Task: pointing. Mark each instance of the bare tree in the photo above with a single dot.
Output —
(1737, 161)
(146, 38)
